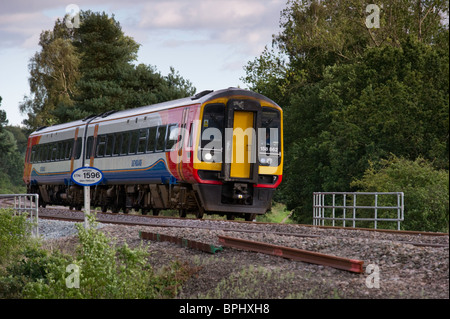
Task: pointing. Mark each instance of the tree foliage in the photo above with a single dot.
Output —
(89, 70)
(352, 94)
(11, 156)
(425, 188)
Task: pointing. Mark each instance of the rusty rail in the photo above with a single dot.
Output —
(351, 265)
(209, 248)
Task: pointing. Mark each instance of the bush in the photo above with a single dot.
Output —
(426, 191)
(14, 233)
(106, 271)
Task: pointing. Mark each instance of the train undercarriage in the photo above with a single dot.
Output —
(197, 199)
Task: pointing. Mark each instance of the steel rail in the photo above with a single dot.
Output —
(352, 265)
(131, 223)
(183, 242)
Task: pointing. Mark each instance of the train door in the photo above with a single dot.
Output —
(243, 134)
(243, 117)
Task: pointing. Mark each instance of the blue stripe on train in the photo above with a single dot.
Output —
(156, 173)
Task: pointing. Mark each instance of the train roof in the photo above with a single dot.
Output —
(199, 98)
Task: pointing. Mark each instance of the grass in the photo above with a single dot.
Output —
(277, 214)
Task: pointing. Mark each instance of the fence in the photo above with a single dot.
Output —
(342, 206)
(23, 203)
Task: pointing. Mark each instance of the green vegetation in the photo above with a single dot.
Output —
(354, 95)
(105, 270)
(426, 191)
(277, 214)
(12, 152)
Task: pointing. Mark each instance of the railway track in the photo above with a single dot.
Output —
(424, 239)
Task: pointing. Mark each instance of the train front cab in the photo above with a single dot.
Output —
(239, 161)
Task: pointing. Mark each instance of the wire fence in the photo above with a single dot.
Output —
(361, 209)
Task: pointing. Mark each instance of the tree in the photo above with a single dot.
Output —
(352, 94)
(109, 80)
(89, 70)
(11, 160)
(54, 72)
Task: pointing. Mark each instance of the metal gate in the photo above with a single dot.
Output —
(343, 206)
(20, 203)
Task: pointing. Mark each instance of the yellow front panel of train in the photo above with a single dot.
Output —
(242, 144)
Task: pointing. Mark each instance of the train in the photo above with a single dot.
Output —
(217, 152)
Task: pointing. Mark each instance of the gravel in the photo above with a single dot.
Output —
(54, 229)
(404, 271)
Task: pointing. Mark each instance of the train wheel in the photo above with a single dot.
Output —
(250, 217)
(155, 212)
(182, 212)
(199, 214)
(115, 209)
(104, 208)
(144, 211)
(230, 216)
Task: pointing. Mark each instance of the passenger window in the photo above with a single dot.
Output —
(212, 133)
(151, 139)
(142, 142)
(161, 138)
(172, 136)
(134, 141)
(55, 154)
(117, 144)
(125, 143)
(109, 144)
(101, 146)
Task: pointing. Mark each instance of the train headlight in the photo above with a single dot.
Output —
(208, 156)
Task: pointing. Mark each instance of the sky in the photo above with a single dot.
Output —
(207, 41)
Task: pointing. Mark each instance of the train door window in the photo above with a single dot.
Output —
(109, 144)
(191, 137)
(270, 138)
(172, 136)
(151, 139)
(78, 145)
(125, 143)
(142, 142)
(212, 133)
(69, 149)
(134, 141)
(161, 138)
(101, 146)
(88, 148)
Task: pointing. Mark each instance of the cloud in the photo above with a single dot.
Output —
(247, 25)
(19, 29)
